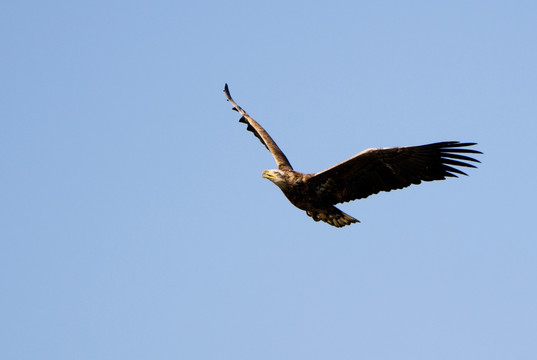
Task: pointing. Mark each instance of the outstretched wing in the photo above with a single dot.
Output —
(261, 134)
(386, 169)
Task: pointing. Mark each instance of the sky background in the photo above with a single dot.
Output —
(135, 224)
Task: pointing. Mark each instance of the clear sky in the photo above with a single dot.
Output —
(135, 224)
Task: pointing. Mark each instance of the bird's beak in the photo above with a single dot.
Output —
(267, 175)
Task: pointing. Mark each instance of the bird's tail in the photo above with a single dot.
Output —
(332, 216)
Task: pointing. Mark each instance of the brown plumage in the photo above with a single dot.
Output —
(367, 173)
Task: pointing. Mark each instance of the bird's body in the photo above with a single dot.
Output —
(307, 195)
(367, 173)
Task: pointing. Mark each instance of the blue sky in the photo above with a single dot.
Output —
(135, 223)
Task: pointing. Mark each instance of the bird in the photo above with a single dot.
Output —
(366, 173)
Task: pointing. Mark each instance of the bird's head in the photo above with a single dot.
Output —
(276, 176)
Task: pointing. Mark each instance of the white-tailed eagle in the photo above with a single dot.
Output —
(367, 173)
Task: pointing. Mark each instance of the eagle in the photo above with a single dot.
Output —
(367, 173)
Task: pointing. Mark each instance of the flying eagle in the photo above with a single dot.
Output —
(367, 173)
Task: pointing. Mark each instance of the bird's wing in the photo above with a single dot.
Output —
(386, 169)
(261, 134)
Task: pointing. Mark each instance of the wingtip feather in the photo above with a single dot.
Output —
(226, 91)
